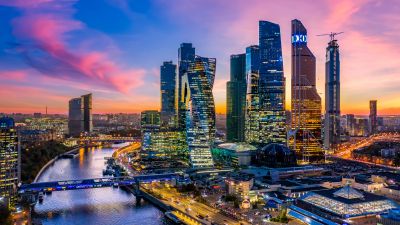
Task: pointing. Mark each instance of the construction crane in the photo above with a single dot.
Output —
(331, 35)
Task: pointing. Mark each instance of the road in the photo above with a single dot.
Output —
(344, 151)
(187, 204)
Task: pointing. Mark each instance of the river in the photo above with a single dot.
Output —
(101, 206)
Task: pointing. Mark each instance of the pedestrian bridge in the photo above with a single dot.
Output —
(95, 183)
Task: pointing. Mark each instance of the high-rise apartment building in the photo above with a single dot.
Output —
(9, 161)
(167, 88)
(199, 110)
(236, 99)
(305, 134)
(332, 96)
(373, 113)
(186, 55)
(80, 115)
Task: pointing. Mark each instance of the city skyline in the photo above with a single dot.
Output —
(123, 73)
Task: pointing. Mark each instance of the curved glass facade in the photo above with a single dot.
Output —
(199, 110)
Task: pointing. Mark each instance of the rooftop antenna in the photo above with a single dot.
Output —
(331, 35)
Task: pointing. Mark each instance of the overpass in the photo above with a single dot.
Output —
(35, 188)
(107, 138)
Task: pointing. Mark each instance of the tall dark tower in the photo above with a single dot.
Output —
(332, 96)
(305, 135)
(373, 112)
(236, 99)
(167, 88)
(186, 55)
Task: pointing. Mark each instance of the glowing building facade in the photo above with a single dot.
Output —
(164, 144)
(9, 162)
(332, 96)
(271, 85)
(305, 134)
(198, 102)
(236, 99)
(252, 115)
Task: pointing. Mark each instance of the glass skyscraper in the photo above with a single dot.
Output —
(186, 55)
(252, 122)
(198, 101)
(332, 96)
(167, 88)
(80, 115)
(265, 101)
(9, 161)
(236, 99)
(305, 135)
(271, 85)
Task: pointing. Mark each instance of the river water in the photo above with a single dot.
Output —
(101, 206)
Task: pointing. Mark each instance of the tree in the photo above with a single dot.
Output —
(5, 216)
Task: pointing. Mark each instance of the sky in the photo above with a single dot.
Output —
(54, 50)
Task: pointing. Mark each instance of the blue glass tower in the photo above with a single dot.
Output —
(167, 88)
(271, 85)
(198, 101)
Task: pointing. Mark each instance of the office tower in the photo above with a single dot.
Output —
(167, 144)
(305, 135)
(373, 116)
(186, 55)
(74, 117)
(252, 123)
(236, 99)
(9, 161)
(271, 85)
(87, 121)
(332, 96)
(150, 120)
(80, 115)
(198, 102)
(167, 88)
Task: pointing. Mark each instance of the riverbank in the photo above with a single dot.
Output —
(51, 162)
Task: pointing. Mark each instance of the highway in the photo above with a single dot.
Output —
(344, 151)
(170, 196)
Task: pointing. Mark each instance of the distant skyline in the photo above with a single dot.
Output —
(53, 50)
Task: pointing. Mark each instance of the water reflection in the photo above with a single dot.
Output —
(100, 206)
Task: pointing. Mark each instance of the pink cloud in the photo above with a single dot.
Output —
(14, 75)
(49, 32)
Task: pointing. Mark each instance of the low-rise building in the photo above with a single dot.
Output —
(340, 206)
(233, 154)
(239, 185)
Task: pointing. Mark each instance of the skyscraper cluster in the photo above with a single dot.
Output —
(187, 109)
(256, 91)
(257, 115)
(80, 115)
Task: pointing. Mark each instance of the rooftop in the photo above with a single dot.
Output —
(238, 147)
